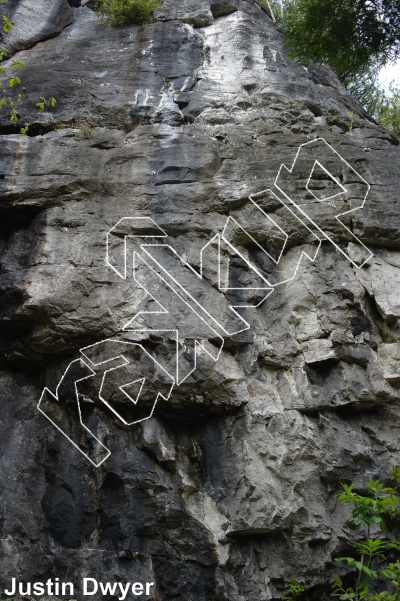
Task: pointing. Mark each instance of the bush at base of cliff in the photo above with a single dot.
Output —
(124, 12)
(376, 569)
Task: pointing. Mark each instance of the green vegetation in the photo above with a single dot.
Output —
(8, 97)
(125, 12)
(384, 107)
(270, 6)
(375, 566)
(295, 590)
(354, 37)
(274, 6)
(43, 102)
(346, 34)
(9, 82)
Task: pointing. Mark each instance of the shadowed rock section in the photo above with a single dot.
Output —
(231, 488)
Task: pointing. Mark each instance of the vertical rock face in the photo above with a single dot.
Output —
(230, 489)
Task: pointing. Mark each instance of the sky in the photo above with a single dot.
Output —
(389, 73)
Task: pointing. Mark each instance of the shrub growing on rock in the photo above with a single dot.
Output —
(125, 12)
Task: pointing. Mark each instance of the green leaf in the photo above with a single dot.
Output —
(7, 25)
(371, 573)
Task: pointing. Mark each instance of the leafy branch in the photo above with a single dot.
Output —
(43, 102)
(295, 590)
(369, 512)
(376, 573)
(10, 80)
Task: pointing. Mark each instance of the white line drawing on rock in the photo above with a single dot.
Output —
(134, 224)
(339, 162)
(213, 352)
(125, 363)
(46, 411)
(173, 285)
(304, 253)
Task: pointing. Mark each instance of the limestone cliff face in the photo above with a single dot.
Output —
(230, 489)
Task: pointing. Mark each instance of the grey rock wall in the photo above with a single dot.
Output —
(230, 489)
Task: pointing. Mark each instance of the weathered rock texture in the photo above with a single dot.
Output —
(231, 488)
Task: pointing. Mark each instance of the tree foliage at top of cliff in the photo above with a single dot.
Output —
(382, 104)
(344, 34)
(384, 107)
(354, 37)
(126, 12)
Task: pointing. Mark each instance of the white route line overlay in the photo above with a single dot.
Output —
(134, 401)
(163, 311)
(136, 222)
(55, 397)
(303, 254)
(298, 207)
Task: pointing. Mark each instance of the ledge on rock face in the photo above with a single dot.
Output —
(317, 350)
(389, 355)
(224, 7)
(194, 12)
